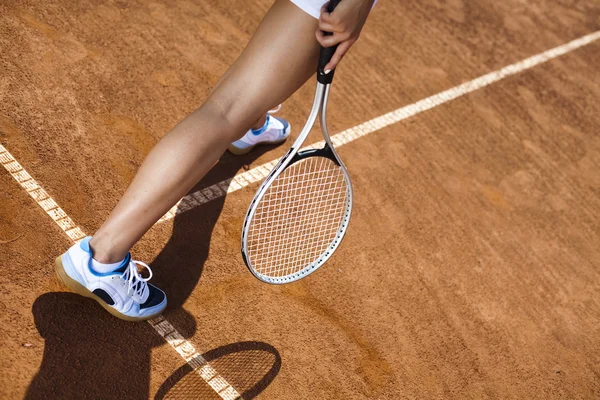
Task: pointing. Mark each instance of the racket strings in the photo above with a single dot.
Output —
(298, 217)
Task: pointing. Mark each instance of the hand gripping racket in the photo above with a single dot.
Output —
(301, 211)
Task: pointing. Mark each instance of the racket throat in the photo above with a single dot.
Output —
(326, 152)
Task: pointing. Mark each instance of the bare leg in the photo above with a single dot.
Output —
(248, 89)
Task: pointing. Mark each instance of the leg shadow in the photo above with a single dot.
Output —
(91, 354)
(180, 263)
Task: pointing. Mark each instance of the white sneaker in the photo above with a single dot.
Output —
(123, 292)
(275, 131)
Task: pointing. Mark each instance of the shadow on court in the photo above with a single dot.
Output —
(248, 366)
(90, 354)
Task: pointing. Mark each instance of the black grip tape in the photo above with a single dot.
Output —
(327, 52)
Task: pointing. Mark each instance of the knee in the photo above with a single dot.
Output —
(230, 116)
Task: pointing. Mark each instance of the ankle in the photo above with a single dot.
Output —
(102, 251)
(260, 123)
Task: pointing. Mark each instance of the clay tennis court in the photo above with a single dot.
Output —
(471, 268)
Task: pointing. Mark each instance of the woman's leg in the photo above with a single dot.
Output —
(279, 58)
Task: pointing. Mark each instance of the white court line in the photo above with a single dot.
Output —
(164, 328)
(259, 173)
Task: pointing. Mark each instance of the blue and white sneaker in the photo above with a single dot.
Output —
(274, 131)
(123, 292)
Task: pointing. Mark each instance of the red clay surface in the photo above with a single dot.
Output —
(471, 268)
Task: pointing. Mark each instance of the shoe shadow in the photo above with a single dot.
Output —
(90, 354)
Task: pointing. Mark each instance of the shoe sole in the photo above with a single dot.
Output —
(244, 151)
(241, 152)
(82, 290)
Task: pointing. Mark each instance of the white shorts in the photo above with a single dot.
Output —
(313, 7)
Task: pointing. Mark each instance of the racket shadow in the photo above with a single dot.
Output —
(249, 367)
(91, 354)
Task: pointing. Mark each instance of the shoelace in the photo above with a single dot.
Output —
(275, 110)
(137, 283)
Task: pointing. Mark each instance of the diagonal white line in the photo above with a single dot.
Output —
(259, 173)
(164, 328)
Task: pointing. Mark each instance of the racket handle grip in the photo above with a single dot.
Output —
(327, 52)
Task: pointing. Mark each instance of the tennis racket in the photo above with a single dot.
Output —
(300, 213)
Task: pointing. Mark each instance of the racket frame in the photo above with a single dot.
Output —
(319, 109)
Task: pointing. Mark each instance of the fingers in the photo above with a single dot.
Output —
(330, 22)
(338, 55)
(328, 27)
(325, 15)
(331, 40)
(343, 28)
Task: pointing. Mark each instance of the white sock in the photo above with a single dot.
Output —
(105, 268)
